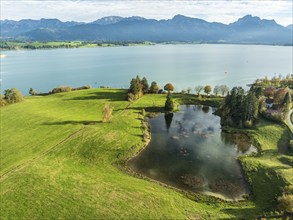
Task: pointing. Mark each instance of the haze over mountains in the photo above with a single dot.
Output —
(248, 29)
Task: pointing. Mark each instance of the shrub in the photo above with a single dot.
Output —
(83, 87)
(61, 89)
(32, 91)
(107, 113)
(146, 136)
(13, 95)
(286, 203)
(3, 102)
(143, 112)
(248, 123)
(130, 97)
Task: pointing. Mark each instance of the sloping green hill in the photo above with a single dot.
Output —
(58, 161)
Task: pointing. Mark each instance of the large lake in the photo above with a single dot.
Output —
(183, 65)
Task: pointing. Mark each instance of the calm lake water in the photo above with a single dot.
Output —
(190, 152)
(183, 65)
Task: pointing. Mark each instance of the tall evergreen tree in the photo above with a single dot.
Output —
(287, 101)
(145, 85)
(250, 107)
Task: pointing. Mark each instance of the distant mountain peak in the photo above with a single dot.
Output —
(115, 19)
(108, 20)
(179, 16)
(254, 22)
(247, 19)
(134, 18)
(184, 19)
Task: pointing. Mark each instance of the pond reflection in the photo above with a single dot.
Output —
(168, 120)
(188, 150)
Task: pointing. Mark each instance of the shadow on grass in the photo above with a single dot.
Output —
(242, 213)
(283, 143)
(118, 95)
(147, 109)
(286, 161)
(72, 122)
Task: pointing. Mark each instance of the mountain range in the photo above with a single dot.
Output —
(248, 29)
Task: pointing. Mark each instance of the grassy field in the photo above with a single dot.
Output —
(59, 161)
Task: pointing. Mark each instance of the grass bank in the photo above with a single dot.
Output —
(58, 161)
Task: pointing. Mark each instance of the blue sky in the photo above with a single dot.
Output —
(225, 11)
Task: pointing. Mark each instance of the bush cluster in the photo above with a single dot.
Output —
(61, 89)
(82, 87)
(10, 96)
(69, 88)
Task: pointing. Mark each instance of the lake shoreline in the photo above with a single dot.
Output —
(129, 44)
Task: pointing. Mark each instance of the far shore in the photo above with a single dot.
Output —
(36, 45)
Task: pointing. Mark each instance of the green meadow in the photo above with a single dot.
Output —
(59, 161)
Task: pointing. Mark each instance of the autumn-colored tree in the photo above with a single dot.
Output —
(169, 87)
(280, 94)
(207, 89)
(269, 92)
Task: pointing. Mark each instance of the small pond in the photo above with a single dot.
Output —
(189, 151)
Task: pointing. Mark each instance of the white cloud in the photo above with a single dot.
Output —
(225, 11)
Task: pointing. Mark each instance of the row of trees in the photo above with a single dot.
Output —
(276, 81)
(239, 109)
(218, 89)
(139, 87)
